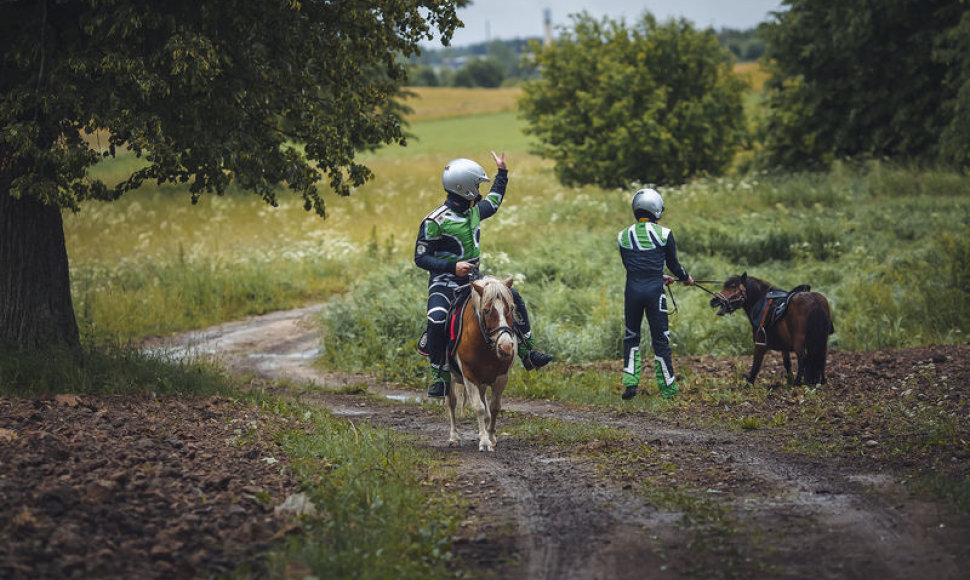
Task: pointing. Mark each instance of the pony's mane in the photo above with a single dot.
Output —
(736, 281)
(495, 289)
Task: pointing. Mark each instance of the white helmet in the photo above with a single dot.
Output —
(462, 176)
(648, 200)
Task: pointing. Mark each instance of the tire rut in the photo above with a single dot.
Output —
(561, 517)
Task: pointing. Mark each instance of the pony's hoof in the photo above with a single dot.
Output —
(454, 443)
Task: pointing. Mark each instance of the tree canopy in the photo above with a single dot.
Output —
(885, 78)
(207, 93)
(652, 103)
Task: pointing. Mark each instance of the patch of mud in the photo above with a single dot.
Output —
(674, 498)
(135, 487)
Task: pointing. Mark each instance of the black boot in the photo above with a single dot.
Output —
(439, 384)
(532, 359)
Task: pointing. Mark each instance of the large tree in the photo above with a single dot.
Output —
(872, 79)
(653, 103)
(261, 93)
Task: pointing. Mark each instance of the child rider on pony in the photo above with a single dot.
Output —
(448, 246)
(644, 248)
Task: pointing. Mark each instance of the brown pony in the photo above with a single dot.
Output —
(804, 327)
(483, 356)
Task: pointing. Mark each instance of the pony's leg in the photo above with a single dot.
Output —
(821, 364)
(454, 440)
(496, 405)
(786, 360)
(802, 363)
(475, 394)
(759, 355)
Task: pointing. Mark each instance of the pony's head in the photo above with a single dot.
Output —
(732, 296)
(496, 314)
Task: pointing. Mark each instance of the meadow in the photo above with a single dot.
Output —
(888, 245)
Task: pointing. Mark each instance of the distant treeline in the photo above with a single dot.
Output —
(505, 62)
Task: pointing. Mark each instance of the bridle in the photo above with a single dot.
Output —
(734, 302)
(491, 335)
(729, 304)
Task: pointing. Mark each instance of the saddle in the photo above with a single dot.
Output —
(773, 308)
(453, 321)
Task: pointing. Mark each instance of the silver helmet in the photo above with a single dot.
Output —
(648, 200)
(462, 176)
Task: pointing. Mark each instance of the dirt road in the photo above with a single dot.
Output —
(666, 500)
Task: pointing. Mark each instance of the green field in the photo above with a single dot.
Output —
(887, 245)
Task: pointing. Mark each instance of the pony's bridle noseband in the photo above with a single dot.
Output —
(492, 335)
(735, 302)
(729, 304)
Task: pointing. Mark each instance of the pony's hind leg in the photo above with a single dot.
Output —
(454, 440)
(786, 360)
(802, 363)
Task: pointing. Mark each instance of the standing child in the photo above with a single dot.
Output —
(645, 248)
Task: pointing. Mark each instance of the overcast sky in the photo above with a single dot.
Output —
(487, 20)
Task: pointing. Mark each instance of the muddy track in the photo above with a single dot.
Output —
(542, 511)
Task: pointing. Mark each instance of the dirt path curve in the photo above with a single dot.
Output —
(544, 511)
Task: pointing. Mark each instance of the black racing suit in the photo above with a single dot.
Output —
(645, 248)
(448, 235)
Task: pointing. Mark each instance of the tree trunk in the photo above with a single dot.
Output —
(36, 311)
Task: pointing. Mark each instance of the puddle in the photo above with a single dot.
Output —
(872, 479)
(348, 412)
(305, 355)
(406, 398)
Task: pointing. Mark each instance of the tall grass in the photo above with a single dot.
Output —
(893, 264)
(113, 371)
(884, 243)
(378, 520)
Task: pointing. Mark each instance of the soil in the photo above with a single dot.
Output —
(787, 487)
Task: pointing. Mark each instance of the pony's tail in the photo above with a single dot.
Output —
(819, 327)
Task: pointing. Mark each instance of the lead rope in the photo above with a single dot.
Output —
(697, 283)
(670, 293)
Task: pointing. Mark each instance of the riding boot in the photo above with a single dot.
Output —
(439, 383)
(668, 386)
(438, 351)
(531, 358)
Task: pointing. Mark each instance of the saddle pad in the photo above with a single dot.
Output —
(453, 321)
(778, 299)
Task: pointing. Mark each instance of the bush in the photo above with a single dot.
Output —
(651, 104)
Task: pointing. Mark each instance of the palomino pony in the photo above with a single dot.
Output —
(803, 328)
(483, 355)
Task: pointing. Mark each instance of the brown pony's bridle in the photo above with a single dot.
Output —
(735, 302)
(491, 335)
(729, 304)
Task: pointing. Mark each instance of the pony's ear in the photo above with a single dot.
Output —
(508, 282)
(744, 277)
(478, 286)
